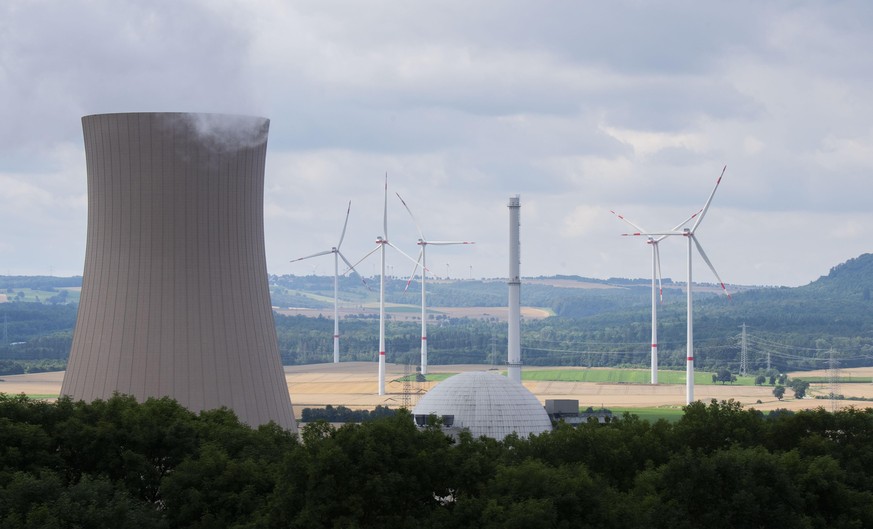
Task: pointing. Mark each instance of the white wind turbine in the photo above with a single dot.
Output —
(657, 294)
(422, 261)
(689, 234)
(337, 255)
(381, 242)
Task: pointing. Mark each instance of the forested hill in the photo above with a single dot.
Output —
(851, 280)
(596, 322)
(835, 305)
(607, 322)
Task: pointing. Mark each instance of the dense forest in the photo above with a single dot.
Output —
(799, 328)
(121, 464)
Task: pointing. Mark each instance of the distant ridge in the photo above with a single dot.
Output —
(854, 276)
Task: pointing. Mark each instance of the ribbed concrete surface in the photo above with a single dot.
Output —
(486, 403)
(174, 295)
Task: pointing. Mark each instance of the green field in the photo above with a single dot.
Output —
(606, 376)
(840, 380)
(623, 376)
(39, 396)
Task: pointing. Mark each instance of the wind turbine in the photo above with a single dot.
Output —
(657, 295)
(689, 234)
(422, 261)
(381, 242)
(337, 255)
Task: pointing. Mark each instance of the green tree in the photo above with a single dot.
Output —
(731, 487)
(723, 375)
(779, 392)
(719, 425)
(799, 387)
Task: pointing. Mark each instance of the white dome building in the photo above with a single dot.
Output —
(484, 403)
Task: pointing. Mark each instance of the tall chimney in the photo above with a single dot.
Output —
(175, 300)
(514, 335)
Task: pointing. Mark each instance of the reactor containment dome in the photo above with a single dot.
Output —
(486, 404)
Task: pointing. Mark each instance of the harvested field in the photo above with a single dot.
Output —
(353, 384)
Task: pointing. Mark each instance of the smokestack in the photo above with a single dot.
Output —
(175, 300)
(514, 335)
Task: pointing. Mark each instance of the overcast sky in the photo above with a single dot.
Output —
(578, 107)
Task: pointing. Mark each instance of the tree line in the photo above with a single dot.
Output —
(117, 463)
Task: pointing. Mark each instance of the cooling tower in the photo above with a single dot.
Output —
(175, 300)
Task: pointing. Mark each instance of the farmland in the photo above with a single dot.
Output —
(353, 384)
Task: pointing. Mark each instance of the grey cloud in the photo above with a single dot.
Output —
(116, 56)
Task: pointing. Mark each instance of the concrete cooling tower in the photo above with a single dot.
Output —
(175, 300)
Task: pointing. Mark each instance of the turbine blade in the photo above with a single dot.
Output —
(417, 227)
(686, 221)
(385, 212)
(627, 221)
(371, 252)
(352, 269)
(446, 243)
(345, 224)
(709, 263)
(709, 201)
(657, 258)
(683, 223)
(414, 269)
(310, 256)
(404, 254)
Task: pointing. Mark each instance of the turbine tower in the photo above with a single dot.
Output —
(381, 243)
(513, 363)
(689, 234)
(337, 255)
(657, 294)
(422, 261)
